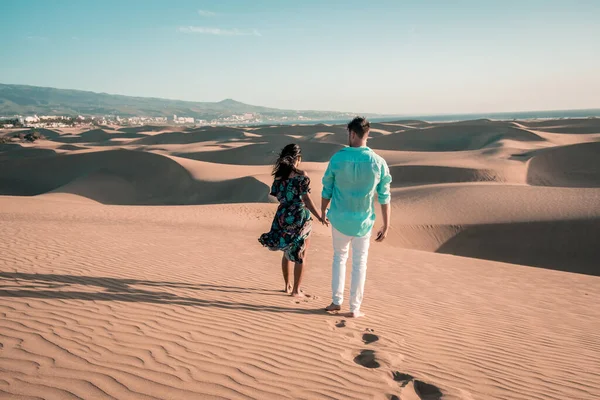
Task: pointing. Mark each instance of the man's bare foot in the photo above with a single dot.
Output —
(333, 307)
(288, 289)
(355, 314)
(298, 294)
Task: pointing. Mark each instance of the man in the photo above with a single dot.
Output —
(352, 178)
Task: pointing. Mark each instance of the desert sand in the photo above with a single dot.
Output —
(130, 267)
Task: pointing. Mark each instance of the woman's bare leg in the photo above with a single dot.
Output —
(298, 271)
(285, 269)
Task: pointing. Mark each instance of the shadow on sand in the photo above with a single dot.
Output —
(564, 245)
(113, 289)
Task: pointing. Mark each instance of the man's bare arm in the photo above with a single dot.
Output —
(324, 204)
(386, 211)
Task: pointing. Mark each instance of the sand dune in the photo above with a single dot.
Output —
(16, 151)
(570, 126)
(71, 147)
(301, 130)
(144, 129)
(490, 202)
(47, 133)
(195, 136)
(567, 245)
(96, 136)
(545, 227)
(105, 296)
(341, 138)
(321, 135)
(265, 153)
(108, 188)
(408, 123)
(569, 166)
(411, 175)
(108, 177)
(471, 135)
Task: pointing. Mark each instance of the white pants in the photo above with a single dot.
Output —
(360, 252)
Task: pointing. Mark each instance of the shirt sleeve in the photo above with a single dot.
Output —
(328, 180)
(383, 187)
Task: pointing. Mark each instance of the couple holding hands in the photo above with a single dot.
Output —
(354, 176)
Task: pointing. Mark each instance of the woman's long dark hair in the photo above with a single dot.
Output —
(284, 165)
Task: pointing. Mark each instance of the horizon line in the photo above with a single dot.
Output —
(375, 114)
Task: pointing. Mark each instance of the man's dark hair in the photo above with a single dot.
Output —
(360, 126)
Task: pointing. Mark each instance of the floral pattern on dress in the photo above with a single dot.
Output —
(292, 223)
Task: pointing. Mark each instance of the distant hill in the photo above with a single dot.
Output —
(28, 100)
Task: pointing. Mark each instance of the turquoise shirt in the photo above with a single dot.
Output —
(352, 178)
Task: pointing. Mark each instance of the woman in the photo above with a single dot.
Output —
(292, 223)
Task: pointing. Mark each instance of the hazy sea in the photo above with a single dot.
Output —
(465, 117)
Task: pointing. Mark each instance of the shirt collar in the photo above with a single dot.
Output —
(357, 148)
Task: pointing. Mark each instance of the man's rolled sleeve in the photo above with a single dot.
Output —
(328, 180)
(383, 187)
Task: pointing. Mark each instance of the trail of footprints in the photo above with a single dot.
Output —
(368, 358)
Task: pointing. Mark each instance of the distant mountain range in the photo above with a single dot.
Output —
(29, 100)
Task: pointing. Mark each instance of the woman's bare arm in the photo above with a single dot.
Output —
(311, 206)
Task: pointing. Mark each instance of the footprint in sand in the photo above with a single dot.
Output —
(307, 298)
(402, 379)
(340, 324)
(366, 358)
(425, 391)
(369, 338)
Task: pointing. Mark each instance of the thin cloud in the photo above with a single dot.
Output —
(37, 38)
(218, 31)
(206, 13)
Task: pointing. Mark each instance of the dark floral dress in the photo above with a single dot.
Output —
(292, 222)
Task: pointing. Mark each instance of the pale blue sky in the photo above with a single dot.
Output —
(400, 57)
